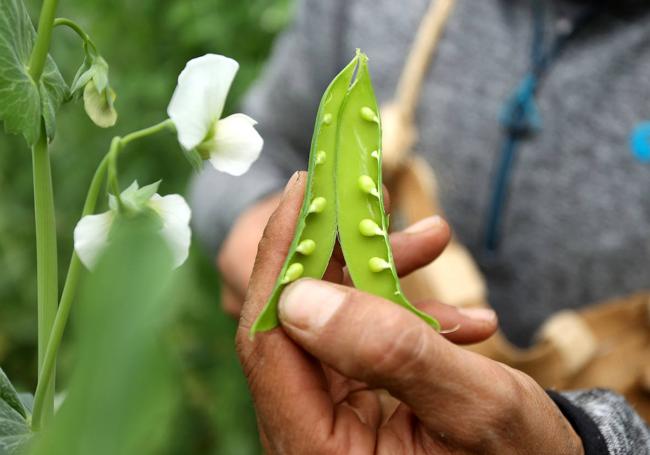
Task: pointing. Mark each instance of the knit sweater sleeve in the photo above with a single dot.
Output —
(605, 421)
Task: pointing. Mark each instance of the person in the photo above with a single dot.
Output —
(574, 230)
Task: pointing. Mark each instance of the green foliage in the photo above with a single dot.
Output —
(23, 102)
(146, 44)
(14, 430)
(122, 393)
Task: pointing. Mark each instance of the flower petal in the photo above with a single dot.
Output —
(199, 97)
(91, 237)
(175, 214)
(236, 144)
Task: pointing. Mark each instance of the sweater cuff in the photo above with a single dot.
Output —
(592, 439)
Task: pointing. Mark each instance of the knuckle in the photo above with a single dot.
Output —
(398, 356)
(511, 390)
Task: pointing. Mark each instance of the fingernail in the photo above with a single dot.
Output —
(309, 304)
(424, 225)
(478, 314)
(292, 182)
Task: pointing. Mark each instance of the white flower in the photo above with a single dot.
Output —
(91, 235)
(231, 144)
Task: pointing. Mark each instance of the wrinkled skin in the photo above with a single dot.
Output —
(350, 373)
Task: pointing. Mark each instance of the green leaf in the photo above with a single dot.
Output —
(123, 392)
(8, 394)
(24, 103)
(14, 430)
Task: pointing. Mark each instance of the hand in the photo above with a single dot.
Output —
(237, 254)
(321, 384)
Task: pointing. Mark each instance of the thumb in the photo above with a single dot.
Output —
(376, 341)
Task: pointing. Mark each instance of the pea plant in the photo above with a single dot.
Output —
(344, 194)
(128, 249)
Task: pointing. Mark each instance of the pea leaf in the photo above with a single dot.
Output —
(123, 391)
(14, 430)
(8, 394)
(24, 103)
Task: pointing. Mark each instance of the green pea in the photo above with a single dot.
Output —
(361, 218)
(315, 232)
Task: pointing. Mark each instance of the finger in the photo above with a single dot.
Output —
(273, 248)
(276, 369)
(375, 341)
(419, 244)
(231, 302)
(465, 325)
(237, 254)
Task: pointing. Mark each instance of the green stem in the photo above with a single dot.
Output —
(46, 254)
(42, 46)
(67, 297)
(64, 22)
(158, 127)
(113, 182)
(46, 260)
(74, 271)
(72, 25)
(119, 143)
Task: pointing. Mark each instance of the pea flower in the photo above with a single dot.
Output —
(230, 144)
(92, 233)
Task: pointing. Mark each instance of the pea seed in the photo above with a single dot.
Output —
(306, 247)
(378, 264)
(369, 115)
(294, 272)
(318, 205)
(367, 185)
(369, 228)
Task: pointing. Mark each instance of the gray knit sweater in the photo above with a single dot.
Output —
(576, 228)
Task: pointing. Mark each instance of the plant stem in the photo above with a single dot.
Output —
(64, 22)
(158, 127)
(46, 259)
(42, 46)
(46, 251)
(118, 143)
(74, 271)
(67, 297)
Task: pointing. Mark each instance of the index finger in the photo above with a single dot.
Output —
(277, 370)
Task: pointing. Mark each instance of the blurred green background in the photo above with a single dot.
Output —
(146, 43)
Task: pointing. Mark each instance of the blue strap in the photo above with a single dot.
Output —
(520, 118)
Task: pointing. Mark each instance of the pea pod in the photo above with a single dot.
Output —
(344, 194)
(315, 233)
(361, 218)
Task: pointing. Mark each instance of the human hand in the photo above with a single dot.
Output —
(237, 255)
(318, 383)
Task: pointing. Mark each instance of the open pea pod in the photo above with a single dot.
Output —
(344, 195)
(315, 233)
(361, 217)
